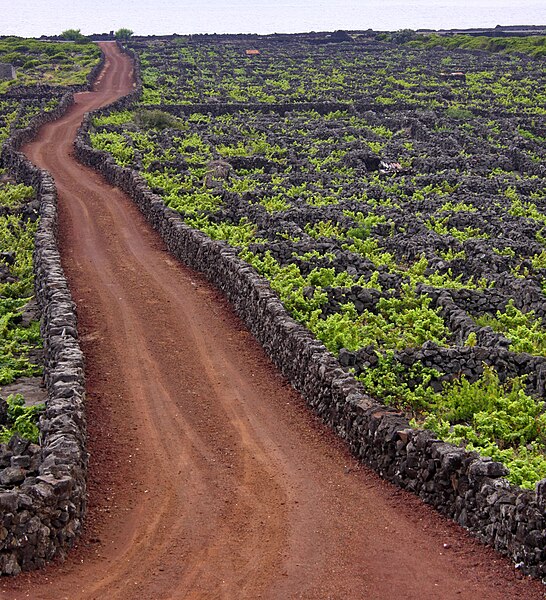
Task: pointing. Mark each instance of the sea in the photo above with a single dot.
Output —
(34, 18)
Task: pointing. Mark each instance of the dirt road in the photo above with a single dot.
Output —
(208, 477)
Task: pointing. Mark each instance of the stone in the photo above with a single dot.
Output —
(482, 468)
(346, 358)
(12, 476)
(18, 445)
(540, 489)
(536, 539)
(21, 461)
(8, 501)
(7, 72)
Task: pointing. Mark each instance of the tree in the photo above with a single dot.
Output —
(403, 35)
(156, 119)
(74, 35)
(123, 34)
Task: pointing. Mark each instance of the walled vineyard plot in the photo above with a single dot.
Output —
(16, 113)
(42, 69)
(44, 73)
(404, 226)
(45, 65)
(20, 341)
(182, 72)
(42, 465)
(19, 335)
(534, 45)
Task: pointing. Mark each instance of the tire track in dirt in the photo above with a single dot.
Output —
(208, 476)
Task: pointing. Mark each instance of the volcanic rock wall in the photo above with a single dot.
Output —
(43, 488)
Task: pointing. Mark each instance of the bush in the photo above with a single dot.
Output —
(461, 114)
(75, 35)
(22, 420)
(402, 36)
(31, 64)
(156, 119)
(123, 34)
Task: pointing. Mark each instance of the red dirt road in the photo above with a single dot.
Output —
(209, 479)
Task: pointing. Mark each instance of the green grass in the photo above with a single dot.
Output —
(533, 45)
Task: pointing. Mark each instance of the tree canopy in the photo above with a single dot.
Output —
(74, 35)
(123, 33)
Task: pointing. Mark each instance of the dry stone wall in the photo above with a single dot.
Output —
(43, 504)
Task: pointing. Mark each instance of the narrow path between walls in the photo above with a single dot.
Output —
(208, 477)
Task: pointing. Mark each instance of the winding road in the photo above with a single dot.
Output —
(209, 478)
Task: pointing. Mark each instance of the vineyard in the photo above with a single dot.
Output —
(351, 224)
(43, 69)
(394, 197)
(40, 64)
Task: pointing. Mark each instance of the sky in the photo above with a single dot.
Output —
(147, 17)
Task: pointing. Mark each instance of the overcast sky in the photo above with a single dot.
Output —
(36, 17)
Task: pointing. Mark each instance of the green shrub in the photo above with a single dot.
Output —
(156, 119)
(461, 114)
(497, 419)
(123, 34)
(74, 35)
(22, 420)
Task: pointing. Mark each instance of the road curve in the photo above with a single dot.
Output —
(209, 479)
